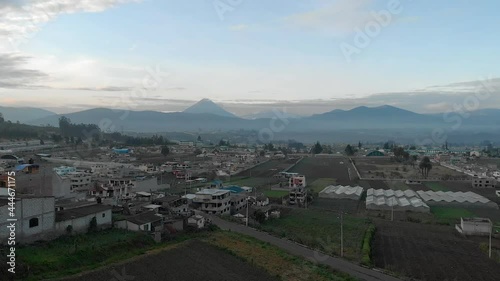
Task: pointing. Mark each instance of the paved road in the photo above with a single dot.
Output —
(299, 250)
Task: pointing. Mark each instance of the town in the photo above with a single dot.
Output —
(354, 201)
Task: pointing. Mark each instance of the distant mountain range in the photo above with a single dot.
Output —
(207, 116)
(24, 114)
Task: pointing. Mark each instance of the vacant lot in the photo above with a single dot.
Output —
(384, 168)
(430, 252)
(326, 168)
(320, 229)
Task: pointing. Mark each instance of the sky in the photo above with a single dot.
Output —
(305, 56)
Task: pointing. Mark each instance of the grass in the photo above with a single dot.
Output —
(320, 229)
(320, 184)
(449, 215)
(275, 261)
(70, 255)
(275, 193)
(435, 186)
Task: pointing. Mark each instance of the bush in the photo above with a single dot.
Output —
(366, 249)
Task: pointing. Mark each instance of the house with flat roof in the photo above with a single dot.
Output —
(214, 201)
(147, 221)
(80, 218)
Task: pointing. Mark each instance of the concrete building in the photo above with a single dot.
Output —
(172, 204)
(297, 181)
(214, 201)
(297, 196)
(238, 202)
(35, 218)
(80, 181)
(484, 183)
(474, 226)
(197, 221)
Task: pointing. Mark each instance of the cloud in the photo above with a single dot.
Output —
(342, 17)
(13, 73)
(21, 19)
(239, 27)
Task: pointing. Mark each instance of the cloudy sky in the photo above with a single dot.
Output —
(307, 56)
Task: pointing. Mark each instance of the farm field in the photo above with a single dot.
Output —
(377, 168)
(430, 252)
(320, 229)
(320, 184)
(275, 193)
(193, 261)
(336, 205)
(218, 256)
(436, 186)
(274, 260)
(268, 169)
(322, 168)
(450, 215)
(70, 255)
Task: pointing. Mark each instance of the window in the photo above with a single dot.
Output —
(103, 215)
(33, 222)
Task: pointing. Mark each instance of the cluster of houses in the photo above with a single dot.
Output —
(53, 200)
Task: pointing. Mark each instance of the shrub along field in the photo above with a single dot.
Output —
(320, 229)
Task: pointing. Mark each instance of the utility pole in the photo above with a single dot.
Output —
(247, 213)
(341, 234)
(491, 229)
(392, 209)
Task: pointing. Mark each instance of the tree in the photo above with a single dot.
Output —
(197, 151)
(93, 225)
(317, 149)
(425, 166)
(165, 150)
(349, 150)
(1, 118)
(260, 216)
(399, 153)
(360, 145)
(262, 153)
(42, 142)
(199, 138)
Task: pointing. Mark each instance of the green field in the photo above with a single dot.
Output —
(450, 215)
(435, 186)
(275, 193)
(320, 229)
(320, 184)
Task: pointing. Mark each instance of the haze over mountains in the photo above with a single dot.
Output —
(207, 116)
(24, 114)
